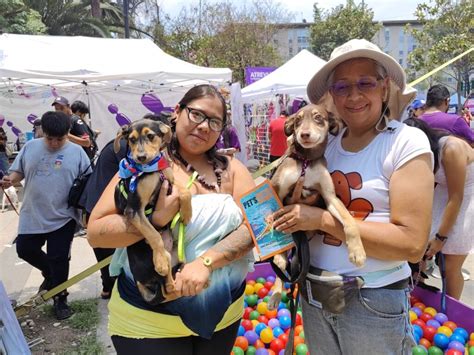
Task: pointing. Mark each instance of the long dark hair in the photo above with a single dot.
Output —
(433, 135)
(195, 93)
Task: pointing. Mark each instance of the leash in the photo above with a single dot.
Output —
(10, 201)
(442, 270)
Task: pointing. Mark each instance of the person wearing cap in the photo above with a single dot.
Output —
(417, 108)
(373, 161)
(437, 104)
(79, 133)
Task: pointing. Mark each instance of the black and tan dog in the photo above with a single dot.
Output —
(307, 132)
(142, 174)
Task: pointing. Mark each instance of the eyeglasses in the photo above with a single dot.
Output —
(199, 117)
(343, 88)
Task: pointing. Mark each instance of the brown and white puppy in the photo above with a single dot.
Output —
(307, 132)
(152, 269)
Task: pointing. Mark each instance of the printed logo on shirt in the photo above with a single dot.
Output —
(44, 166)
(359, 208)
(59, 161)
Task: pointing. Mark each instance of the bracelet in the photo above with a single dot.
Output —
(440, 237)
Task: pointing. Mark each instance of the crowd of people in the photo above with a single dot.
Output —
(401, 219)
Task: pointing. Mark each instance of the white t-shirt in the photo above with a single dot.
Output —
(362, 183)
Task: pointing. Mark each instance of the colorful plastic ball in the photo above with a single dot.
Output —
(298, 341)
(420, 305)
(262, 319)
(254, 315)
(262, 351)
(249, 290)
(457, 337)
(433, 323)
(299, 319)
(252, 300)
(260, 327)
(283, 337)
(413, 300)
(268, 285)
(271, 313)
(262, 292)
(262, 307)
(471, 336)
(272, 323)
(454, 352)
(284, 297)
(445, 330)
(261, 280)
(277, 344)
(412, 315)
(419, 350)
(271, 352)
(241, 342)
(241, 331)
(271, 278)
(425, 317)
(254, 323)
(282, 305)
(266, 299)
(451, 325)
(301, 349)
(425, 342)
(430, 310)
(429, 332)
(251, 350)
(417, 311)
(266, 335)
(237, 351)
(277, 331)
(285, 322)
(456, 345)
(284, 312)
(252, 337)
(247, 324)
(251, 282)
(471, 350)
(417, 330)
(441, 340)
(247, 311)
(419, 322)
(434, 350)
(257, 287)
(462, 332)
(441, 317)
(259, 344)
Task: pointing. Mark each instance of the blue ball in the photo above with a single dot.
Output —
(441, 340)
(417, 330)
(245, 303)
(285, 322)
(271, 278)
(457, 337)
(282, 305)
(277, 331)
(260, 327)
(462, 332)
(241, 331)
(251, 336)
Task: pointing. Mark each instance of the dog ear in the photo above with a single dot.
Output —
(167, 134)
(290, 125)
(335, 124)
(123, 132)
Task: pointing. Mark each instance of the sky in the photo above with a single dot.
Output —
(384, 10)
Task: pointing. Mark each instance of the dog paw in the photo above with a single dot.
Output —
(274, 301)
(186, 215)
(169, 287)
(357, 254)
(161, 263)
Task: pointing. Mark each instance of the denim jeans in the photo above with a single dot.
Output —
(375, 322)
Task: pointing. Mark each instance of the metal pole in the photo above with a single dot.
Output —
(125, 15)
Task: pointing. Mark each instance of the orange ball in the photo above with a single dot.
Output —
(251, 282)
(258, 344)
(298, 341)
(425, 342)
(271, 352)
(242, 342)
(450, 325)
(271, 313)
(420, 305)
(298, 329)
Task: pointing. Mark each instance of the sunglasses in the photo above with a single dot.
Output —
(343, 87)
(199, 117)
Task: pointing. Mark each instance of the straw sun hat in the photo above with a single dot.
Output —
(400, 94)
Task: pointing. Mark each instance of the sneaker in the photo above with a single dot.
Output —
(81, 233)
(61, 308)
(45, 285)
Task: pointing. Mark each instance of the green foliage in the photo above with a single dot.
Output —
(16, 17)
(447, 32)
(344, 22)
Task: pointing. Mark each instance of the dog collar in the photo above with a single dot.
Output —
(129, 168)
(305, 162)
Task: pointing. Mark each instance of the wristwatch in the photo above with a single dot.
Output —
(207, 261)
(441, 237)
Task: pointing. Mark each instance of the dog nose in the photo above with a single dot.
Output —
(305, 135)
(141, 157)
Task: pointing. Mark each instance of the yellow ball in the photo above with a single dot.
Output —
(249, 290)
(430, 310)
(413, 316)
(257, 287)
(445, 330)
(262, 307)
(266, 335)
(255, 323)
(471, 337)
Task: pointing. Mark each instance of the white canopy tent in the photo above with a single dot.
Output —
(120, 79)
(290, 78)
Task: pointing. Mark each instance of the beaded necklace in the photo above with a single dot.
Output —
(202, 179)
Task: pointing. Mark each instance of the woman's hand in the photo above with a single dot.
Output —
(166, 206)
(434, 246)
(297, 217)
(192, 279)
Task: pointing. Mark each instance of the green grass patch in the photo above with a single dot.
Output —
(86, 315)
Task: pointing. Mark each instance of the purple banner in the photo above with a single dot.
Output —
(253, 74)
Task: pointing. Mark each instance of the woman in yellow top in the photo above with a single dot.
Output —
(203, 320)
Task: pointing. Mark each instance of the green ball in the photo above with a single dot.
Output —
(419, 350)
(254, 315)
(261, 280)
(251, 350)
(471, 350)
(266, 299)
(252, 300)
(301, 349)
(434, 350)
(237, 351)
(301, 335)
(284, 297)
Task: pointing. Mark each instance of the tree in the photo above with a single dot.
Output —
(447, 32)
(225, 35)
(16, 17)
(344, 22)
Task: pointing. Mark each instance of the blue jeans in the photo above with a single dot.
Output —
(374, 322)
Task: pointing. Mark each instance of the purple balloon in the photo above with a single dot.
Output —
(122, 120)
(31, 118)
(16, 131)
(441, 317)
(2, 120)
(251, 336)
(153, 103)
(112, 108)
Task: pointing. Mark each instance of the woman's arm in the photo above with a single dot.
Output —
(107, 228)
(404, 238)
(454, 162)
(194, 276)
